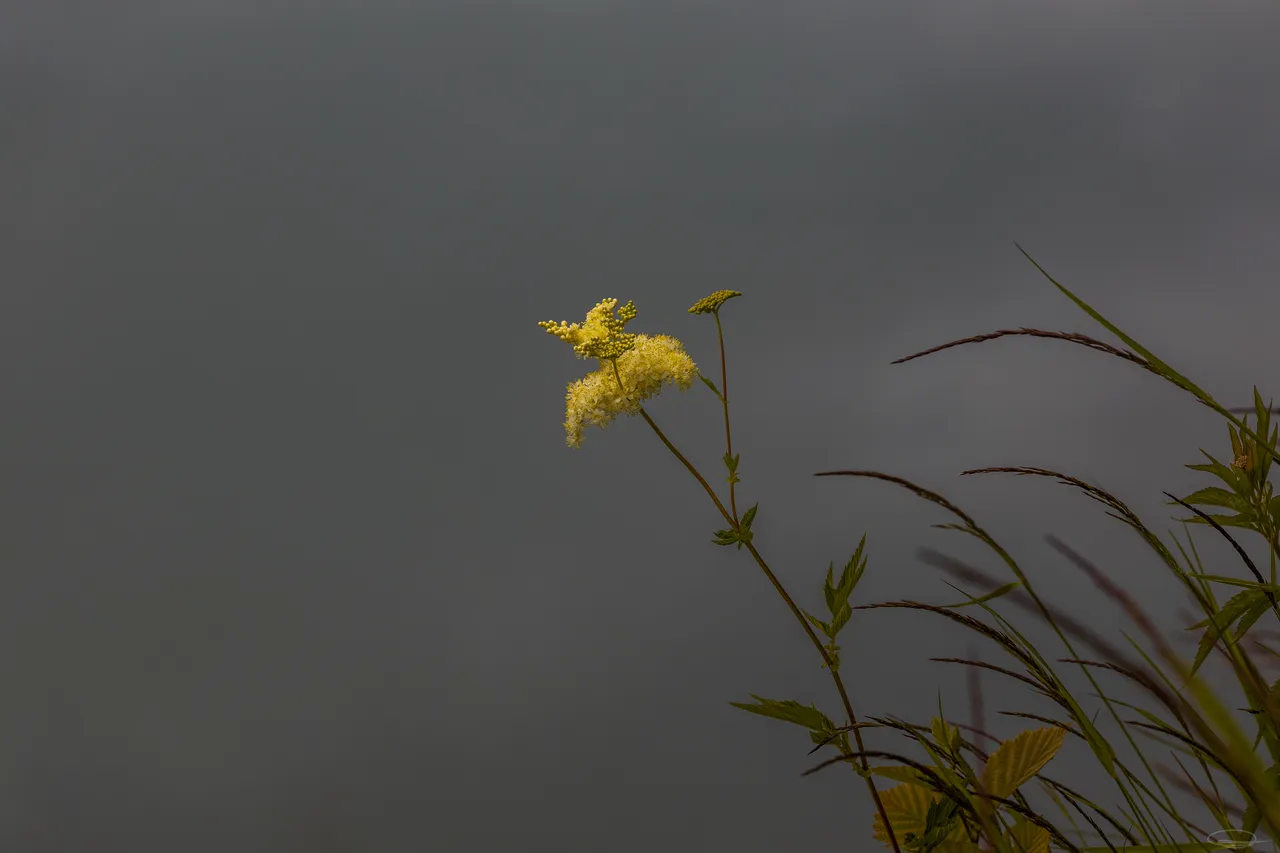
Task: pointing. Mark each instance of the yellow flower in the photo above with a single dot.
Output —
(597, 399)
(600, 335)
(633, 367)
(711, 304)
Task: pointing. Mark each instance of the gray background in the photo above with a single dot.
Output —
(295, 557)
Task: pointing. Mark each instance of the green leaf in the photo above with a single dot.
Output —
(1233, 478)
(837, 593)
(1160, 367)
(789, 711)
(1264, 423)
(1251, 615)
(829, 589)
(1247, 520)
(818, 623)
(1236, 607)
(852, 573)
(939, 822)
(712, 386)
(945, 735)
(731, 462)
(995, 593)
(742, 535)
(898, 773)
(819, 724)
(840, 618)
(1251, 815)
(1214, 496)
(1274, 692)
(1230, 581)
(727, 537)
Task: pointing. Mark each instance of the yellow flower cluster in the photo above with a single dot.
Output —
(597, 399)
(601, 335)
(633, 368)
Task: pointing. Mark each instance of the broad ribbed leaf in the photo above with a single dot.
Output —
(906, 806)
(1027, 837)
(908, 809)
(1016, 761)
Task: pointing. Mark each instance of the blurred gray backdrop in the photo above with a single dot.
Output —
(294, 555)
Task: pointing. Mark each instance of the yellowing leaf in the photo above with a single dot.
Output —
(908, 808)
(1017, 760)
(945, 735)
(1027, 837)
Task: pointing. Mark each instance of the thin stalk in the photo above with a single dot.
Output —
(804, 623)
(724, 399)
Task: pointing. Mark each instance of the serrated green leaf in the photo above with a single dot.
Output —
(828, 588)
(1246, 520)
(852, 573)
(790, 711)
(1233, 478)
(897, 773)
(1214, 496)
(748, 517)
(818, 623)
(1252, 615)
(1235, 608)
(840, 618)
(940, 822)
(726, 537)
(1264, 413)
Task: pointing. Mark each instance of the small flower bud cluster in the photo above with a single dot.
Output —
(601, 335)
(711, 304)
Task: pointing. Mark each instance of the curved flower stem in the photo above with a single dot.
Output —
(804, 623)
(689, 465)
